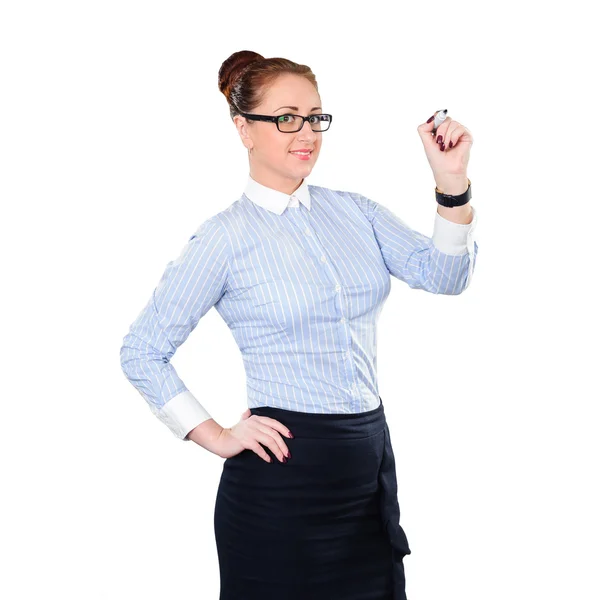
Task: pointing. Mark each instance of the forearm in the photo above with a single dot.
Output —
(207, 435)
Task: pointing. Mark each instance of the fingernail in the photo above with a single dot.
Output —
(290, 434)
(289, 454)
(442, 147)
(450, 144)
(431, 118)
(439, 139)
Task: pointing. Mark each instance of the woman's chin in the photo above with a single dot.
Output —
(305, 166)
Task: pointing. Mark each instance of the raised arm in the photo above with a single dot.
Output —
(441, 264)
(188, 288)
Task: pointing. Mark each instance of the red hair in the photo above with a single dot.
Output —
(245, 77)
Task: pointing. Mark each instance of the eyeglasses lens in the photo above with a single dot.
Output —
(290, 123)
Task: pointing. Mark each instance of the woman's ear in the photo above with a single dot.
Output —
(242, 127)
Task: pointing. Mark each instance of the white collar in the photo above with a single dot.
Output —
(274, 200)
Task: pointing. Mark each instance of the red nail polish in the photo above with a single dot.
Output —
(439, 139)
(431, 119)
(442, 147)
(450, 144)
(290, 434)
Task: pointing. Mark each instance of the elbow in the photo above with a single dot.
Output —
(463, 283)
(447, 286)
(130, 356)
(465, 280)
(127, 358)
(137, 356)
(458, 284)
(460, 290)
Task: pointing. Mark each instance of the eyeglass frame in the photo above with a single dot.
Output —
(273, 119)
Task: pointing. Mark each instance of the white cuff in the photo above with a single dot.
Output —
(453, 238)
(181, 414)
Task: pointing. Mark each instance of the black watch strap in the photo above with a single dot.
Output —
(449, 200)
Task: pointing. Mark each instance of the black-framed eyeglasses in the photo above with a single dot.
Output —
(291, 123)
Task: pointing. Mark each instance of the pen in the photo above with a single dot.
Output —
(440, 117)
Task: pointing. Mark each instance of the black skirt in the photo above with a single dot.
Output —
(324, 525)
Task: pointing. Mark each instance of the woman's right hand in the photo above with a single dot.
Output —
(250, 433)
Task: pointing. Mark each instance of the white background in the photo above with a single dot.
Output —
(116, 144)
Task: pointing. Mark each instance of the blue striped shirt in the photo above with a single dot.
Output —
(300, 280)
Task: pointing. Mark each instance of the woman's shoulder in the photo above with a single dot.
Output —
(344, 197)
(223, 217)
(332, 194)
(215, 226)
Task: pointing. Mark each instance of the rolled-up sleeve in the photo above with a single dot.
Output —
(441, 264)
(190, 285)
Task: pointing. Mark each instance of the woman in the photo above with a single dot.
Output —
(307, 503)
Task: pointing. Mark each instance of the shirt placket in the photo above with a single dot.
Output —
(301, 221)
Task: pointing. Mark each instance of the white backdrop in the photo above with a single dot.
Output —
(116, 144)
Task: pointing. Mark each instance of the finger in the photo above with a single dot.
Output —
(258, 449)
(465, 136)
(426, 131)
(268, 441)
(440, 133)
(451, 136)
(283, 449)
(277, 425)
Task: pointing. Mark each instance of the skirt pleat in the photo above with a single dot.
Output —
(324, 525)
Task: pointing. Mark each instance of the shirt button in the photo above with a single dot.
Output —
(307, 231)
(338, 288)
(343, 320)
(348, 353)
(323, 258)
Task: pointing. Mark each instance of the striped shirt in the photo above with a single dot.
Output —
(300, 280)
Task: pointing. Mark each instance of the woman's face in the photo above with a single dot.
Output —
(271, 161)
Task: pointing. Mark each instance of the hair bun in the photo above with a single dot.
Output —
(246, 76)
(232, 69)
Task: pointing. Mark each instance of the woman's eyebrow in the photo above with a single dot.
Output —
(296, 108)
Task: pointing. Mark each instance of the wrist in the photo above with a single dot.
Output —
(207, 435)
(463, 215)
(454, 185)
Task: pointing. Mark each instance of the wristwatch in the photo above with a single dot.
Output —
(449, 200)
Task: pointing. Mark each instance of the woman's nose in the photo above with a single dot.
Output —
(307, 128)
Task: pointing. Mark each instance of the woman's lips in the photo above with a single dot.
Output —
(302, 156)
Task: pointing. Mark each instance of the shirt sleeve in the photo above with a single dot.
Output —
(441, 264)
(190, 285)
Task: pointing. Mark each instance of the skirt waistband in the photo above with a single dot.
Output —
(327, 425)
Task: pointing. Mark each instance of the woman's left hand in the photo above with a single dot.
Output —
(447, 151)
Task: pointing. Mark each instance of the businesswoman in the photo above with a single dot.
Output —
(307, 504)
